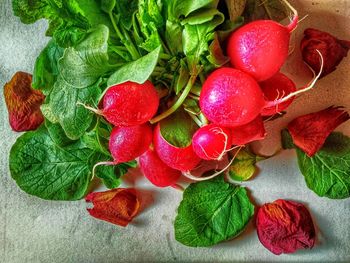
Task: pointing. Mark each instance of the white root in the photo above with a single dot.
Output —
(308, 87)
(99, 164)
(198, 179)
(96, 111)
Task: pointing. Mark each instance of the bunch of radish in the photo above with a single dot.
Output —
(233, 99)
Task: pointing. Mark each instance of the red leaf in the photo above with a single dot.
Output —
(332, 49)
(285, 226)
(23, 103)
(252, 131)
(117, 206)
(310, 131)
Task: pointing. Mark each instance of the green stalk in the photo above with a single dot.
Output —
(178, 103)
(131, 49)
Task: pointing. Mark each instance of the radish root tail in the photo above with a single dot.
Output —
(99, 164)
(96, 111)
(308, 87)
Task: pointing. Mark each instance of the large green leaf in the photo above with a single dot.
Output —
(211, 212)
(43, 169)
(83, 65)
(137, 71)
(67, 23)
(327, 173)
(74, 119)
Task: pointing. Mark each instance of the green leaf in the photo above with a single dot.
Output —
(108, 5)
(74, 119)
(126, 10)
(327, 173)
(137, 71)
(83, 65)
(98, 138)
(57, 133)
(48, 171)
(211, 212)
(178, 129)
(67, 22)
(243, 167)
(227, 27)
(46, 67)
(180, 8)
(269, 9)
(216, 55)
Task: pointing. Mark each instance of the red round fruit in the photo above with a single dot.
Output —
(230, 98)
(130, 103)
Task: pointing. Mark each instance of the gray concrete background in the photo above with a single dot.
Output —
(34, 230)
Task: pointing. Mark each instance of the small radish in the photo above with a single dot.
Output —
(211, 142)
(274, 88)
(179, 158)
(260, 48)
(129, 103)
(252, 131)
(128, 143)
(156, 171)
(230, 97)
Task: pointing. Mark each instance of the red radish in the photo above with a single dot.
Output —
(230, 97)
(129, 103)
(260, 48)
(156, 171)
(183, 159)
(253, 131)
(274, 88)
(128, 143)
(211, 142)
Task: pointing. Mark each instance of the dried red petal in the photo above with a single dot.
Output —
(117, 206)
(332, 49)
(285, 226)
(252, 131)
(310, 131)
(23, 103)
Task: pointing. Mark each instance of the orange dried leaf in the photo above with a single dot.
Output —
(285, 226)
(23, 103)
(310, 131)
(117, 206)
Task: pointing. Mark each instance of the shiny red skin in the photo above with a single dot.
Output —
(231, 98)
(259, 48)
(277, 86)
(183, 159)
(208, 144)
(252, 131)
(128, 143)
(130, 103)
(156, 171)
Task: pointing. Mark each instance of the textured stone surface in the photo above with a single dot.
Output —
(34, 230)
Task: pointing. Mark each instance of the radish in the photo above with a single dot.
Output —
(179, 158)
(211, 142)
(231, 98)
(128, 143)
(156, 171)
(129, 103)
(260, 48)
(274, 88)
(249, 132)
